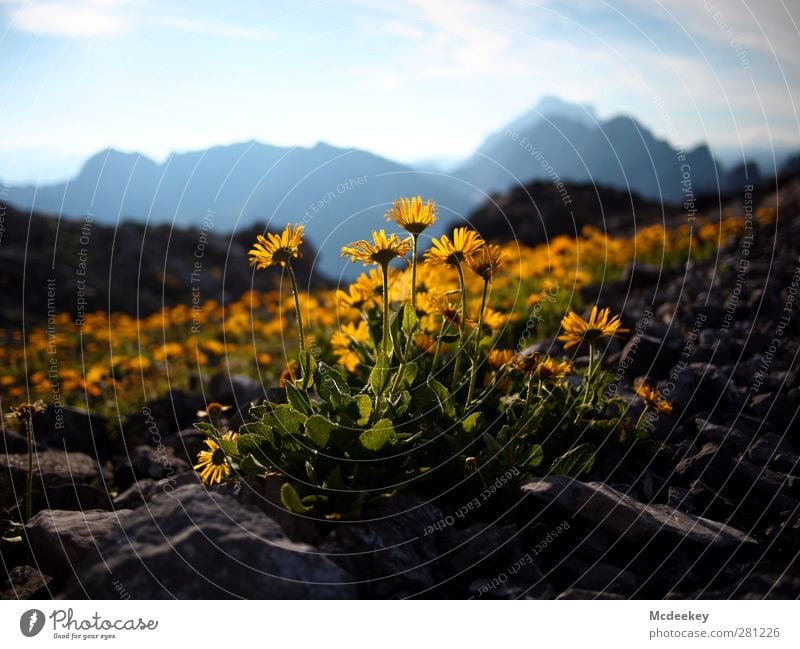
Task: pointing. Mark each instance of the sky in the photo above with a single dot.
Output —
(408, 79)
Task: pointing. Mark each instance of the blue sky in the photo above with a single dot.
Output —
(409, 79)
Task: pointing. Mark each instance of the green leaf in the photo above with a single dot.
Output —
(378, 436)
(470, 422)
(334, 479)
(318, 428)
(251, 465)
(298, 400)
(408, 372)
(364, 405)
(292, 501)
(535, 457)
(379, 376)
(287, 420)
(207, 428)
(331, 386)
(258, 412)
(492, 444)
(306, 362)
(443, 397)
(401, 403)
(228, 445)
(575, 462)
(409, 320)
(312, 475)
(250, 442)
(394, 331)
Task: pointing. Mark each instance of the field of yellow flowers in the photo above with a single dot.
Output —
(116, 362)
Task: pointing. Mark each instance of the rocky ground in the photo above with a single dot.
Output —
(706, 509)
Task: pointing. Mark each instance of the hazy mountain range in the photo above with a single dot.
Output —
(341, 193)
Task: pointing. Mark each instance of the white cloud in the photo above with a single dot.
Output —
(82, 18)
(109, 18)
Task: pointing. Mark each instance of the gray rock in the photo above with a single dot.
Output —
(479, 546)
(26, 582)
(264, 493)
(756, 586)
(630, 520)
(604, 577)
(234, 389)
(197, 544)
(680, 498)
(60, 540)
(773, 450)
(73, 429)
(389, 552)
(139, 493)
(713, 464)
(580, 593)
(728, 436)
(51, 470)
(148, 462)
(11, 442)
(649, 355)
(778, 409)
(186, 444)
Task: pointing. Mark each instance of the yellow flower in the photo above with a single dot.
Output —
(599, 325)
(212, 464)
(412, 215)
(341, 344)
(486, 260)
(499, 357)
(426, 343)
(381, 251)
(550, 368)
(277, 248)
(495, 320)
(357, 296)
(447, 252)
(446, 307)
(652, 398)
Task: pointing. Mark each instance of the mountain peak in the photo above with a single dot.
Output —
(552, 106)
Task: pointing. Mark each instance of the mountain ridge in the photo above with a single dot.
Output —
(340, 194)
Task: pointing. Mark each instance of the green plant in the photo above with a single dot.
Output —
(400, 412)
(25, 415)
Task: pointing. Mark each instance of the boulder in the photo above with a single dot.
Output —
(147, 462)
(713, 464)
(773, 450)
(389, 552)
(197, 544)
(631, 521)
(73, 429)
(59, 540)
(53, 471)
(26, 582)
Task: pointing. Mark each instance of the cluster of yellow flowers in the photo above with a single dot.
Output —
(120, 361)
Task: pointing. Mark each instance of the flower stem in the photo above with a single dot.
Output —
(640, 420)
(300, 333)
(589, 374)
(414, 238)
(474, 374)
(29, 481)
(438, 349)
(463, 288)
(385, 341)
